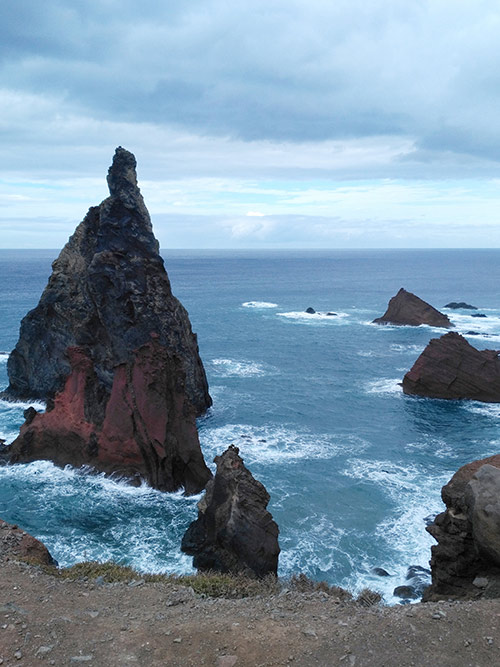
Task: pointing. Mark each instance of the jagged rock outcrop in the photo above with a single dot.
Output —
(108, 291)
(450, 367)
(234, 532)
(16, 543)
(408, 309)
(465, 562)
(144, 429)
(112, 350)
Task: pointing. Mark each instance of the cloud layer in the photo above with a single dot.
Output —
(298, 89)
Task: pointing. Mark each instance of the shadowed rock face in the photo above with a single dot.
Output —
(450, 367)
(112, 350)
(465, 562)
(233, 532)
(144, 429)
(108, 291)
(408, 309)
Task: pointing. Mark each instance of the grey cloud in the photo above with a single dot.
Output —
(290, 70)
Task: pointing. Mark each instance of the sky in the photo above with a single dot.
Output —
(257, 123)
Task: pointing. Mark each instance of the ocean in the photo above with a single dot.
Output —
(354, 468)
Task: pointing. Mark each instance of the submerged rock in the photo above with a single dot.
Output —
(465, 562)
(112, 351)
(408, 309)
(234, 532)
(456, 305)
(450, 367)
(108, 291)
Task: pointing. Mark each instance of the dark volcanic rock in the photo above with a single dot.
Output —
(233, 532)
(144, 429)
(15, 543)
(310, 310)
(460, 304)
(108, 292)
(112, 350)
(408, 309)
(478, 315)
(450, 367)
(465, 562)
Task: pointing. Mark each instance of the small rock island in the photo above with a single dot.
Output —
(452, 368)
(112, 352)
(234, 532)
(407, 309)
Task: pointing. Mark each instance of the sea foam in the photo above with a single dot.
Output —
(259, 304)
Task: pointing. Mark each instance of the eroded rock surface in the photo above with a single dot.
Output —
(450, 367)
(408, 309)
(16, 543)
(465, 562)
(108, 291)
(234, 532)
(144, 429)
(112, 351)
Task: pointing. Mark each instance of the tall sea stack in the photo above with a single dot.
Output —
(112, 351)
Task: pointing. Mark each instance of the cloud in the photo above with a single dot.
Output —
(234, 108)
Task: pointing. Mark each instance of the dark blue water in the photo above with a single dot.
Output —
(352, 465)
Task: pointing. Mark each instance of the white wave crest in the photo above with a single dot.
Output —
(406, 349)
(386, 386)
(313, 318)
(259, 304)
(232, 367)
(3, 357)
(276, 444)
(21, 405)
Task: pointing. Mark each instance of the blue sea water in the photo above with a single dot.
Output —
(353, 466)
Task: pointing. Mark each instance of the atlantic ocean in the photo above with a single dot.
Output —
(354, 468)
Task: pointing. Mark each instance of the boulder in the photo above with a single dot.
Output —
(310, 311)
(450, 367)
(408, 309)
(108, 291)
(17, 544)
(111, 350)
(465, 562)
(457, 305)
(234, 532)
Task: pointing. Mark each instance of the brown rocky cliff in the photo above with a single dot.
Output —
(450, 367)
(408, 309)
(465, 563)
(108, 291)
(145, 429)
(234, 532)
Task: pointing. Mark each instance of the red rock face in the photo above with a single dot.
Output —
(408, 309)
(450, 367)
(145, 428)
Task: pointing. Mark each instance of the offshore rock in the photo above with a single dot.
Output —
(408, 309)
(456, 305)
(465, 562)
(15, 544)
(144, 429)
(111, 350)
(450, 367)
(108, 291)
(234, 532)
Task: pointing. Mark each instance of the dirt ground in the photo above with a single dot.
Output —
(52, 621)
